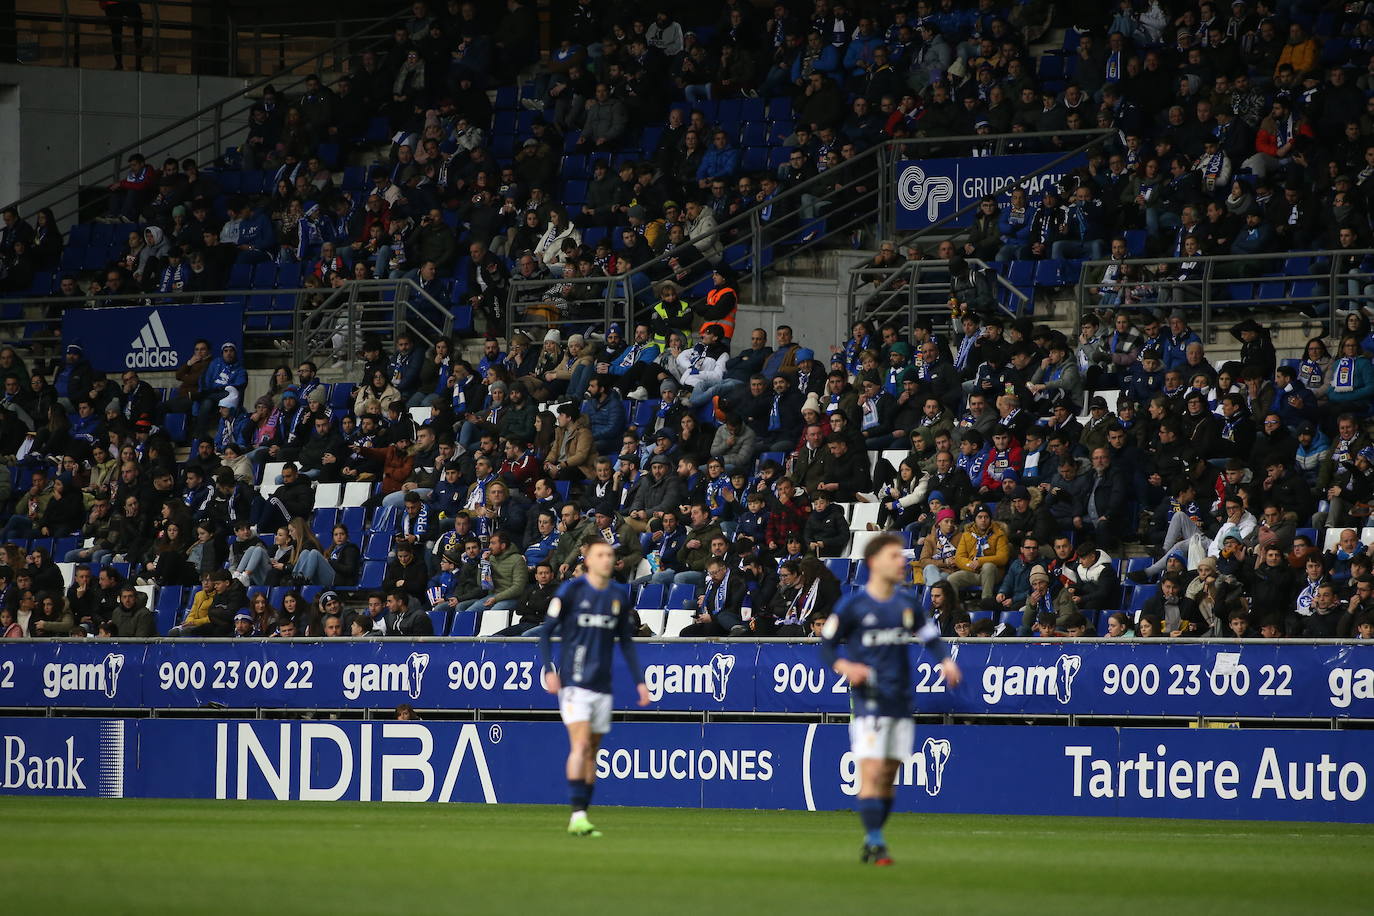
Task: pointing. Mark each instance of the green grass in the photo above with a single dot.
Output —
(194, 857)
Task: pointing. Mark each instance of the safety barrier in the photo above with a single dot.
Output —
(1179, 679)
(1268, 774)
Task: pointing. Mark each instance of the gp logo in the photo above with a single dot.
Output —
(915, 189)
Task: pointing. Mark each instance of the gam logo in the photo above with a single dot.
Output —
(712, 678)
(924, 768)
(915, 189)
(374, 677)
(934, 755)
(1032, 680)
(102, 676)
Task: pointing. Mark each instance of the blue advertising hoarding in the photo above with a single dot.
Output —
(1266, 774)
(150, 337)
(1001, 677)
(929, 190)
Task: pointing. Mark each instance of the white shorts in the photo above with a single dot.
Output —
(881, 737)
(578, 704)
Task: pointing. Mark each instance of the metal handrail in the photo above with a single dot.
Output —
(876, 162)
(346, 301)
(204, 40)
(1097, 136)
(1327, 259)
(911, 272)
(116, 158)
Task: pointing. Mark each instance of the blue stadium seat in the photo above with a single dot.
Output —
(385, 519)
(1139, 595)
(378, 131)
(175, 425)
(1050, 67)
(1271, 291)
(737, 255)
(755, 158)
(352, 519)
(682, 595)
(170, 601)
(322, 524)
(103, 234)
(1240, 292)
(1012, 619)
(378, 545)
(74, 257)
(464, 624)
(341, 395)
(839, 566)
(329, 154)
(651, 595)
(1049, 273)
(371, 576)
(644, 413)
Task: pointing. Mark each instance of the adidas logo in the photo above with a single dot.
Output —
(152, 349)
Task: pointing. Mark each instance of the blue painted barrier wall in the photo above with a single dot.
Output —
(1000, 677)
(1268, 774)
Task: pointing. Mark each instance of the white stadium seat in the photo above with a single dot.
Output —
(493, 622)
(863, 514)
(859, 541)
(327, 495)
(894, 456)
(652, 617)
(677, 619)
(1334, 534)
(355, 493)
(270, 471)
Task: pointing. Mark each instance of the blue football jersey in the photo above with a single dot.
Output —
(878, 634)
(589, 621)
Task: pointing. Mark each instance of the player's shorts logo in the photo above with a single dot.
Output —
(1065, 670)
(935, 753)
(416, 665)
(721, 666)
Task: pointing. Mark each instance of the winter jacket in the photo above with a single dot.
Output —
(997, 550)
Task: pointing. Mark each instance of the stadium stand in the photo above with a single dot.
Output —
(654, 160)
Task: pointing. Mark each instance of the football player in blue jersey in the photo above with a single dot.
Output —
(875, 627)
(590, 613)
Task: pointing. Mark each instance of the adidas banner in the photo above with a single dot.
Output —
(156, 338)
(928, 190)
(1262, 774)
(1002, 677)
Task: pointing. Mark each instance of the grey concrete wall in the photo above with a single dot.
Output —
(65, 118)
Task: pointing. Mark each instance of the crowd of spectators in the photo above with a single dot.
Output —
(1016, 460)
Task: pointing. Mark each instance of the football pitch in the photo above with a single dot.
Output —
(128, 856)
